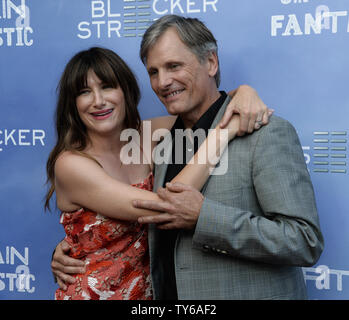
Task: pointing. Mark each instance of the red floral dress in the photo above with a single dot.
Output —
(115, 252)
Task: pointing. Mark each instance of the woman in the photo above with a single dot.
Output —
(98, 97)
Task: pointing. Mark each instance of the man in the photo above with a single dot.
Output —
(246, 235)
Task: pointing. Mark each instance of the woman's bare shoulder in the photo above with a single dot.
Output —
(70, 164)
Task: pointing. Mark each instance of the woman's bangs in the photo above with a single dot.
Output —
(78, 78)
(104, 71)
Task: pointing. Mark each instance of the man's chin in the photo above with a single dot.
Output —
(172, 110)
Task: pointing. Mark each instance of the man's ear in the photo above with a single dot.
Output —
(212, 64)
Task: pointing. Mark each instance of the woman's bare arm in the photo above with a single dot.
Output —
(85, 184)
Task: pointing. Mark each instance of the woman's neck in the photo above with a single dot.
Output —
(104, 144)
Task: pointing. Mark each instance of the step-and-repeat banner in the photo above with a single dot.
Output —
(293, 52)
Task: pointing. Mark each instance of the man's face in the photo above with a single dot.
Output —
(182, 83)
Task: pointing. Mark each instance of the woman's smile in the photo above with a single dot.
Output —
(102, 114)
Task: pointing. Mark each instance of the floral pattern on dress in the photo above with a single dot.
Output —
(115, 253)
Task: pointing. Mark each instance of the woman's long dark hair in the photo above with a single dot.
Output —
(71, 131)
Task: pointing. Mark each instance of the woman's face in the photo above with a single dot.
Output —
(100, 106)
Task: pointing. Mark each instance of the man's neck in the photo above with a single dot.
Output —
(190, 118)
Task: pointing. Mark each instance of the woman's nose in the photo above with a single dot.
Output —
(99, 99)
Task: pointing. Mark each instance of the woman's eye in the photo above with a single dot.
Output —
(83, 91)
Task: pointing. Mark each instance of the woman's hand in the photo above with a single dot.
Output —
(252, 110)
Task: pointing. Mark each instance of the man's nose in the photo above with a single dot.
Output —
(165, 79)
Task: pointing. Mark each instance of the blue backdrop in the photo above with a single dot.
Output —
(294, 52)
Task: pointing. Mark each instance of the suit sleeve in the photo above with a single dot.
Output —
(286, 228)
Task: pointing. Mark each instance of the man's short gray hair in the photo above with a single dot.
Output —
(194, 34)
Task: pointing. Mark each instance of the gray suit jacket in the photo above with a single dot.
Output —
(258, 224)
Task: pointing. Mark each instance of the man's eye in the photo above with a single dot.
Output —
(152, 72)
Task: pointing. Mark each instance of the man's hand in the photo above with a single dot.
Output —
(62, 265)
(181, 204)
(253, 112)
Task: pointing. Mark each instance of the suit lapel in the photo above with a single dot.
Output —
(220, 113)
(161, 169)
(217, 118)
